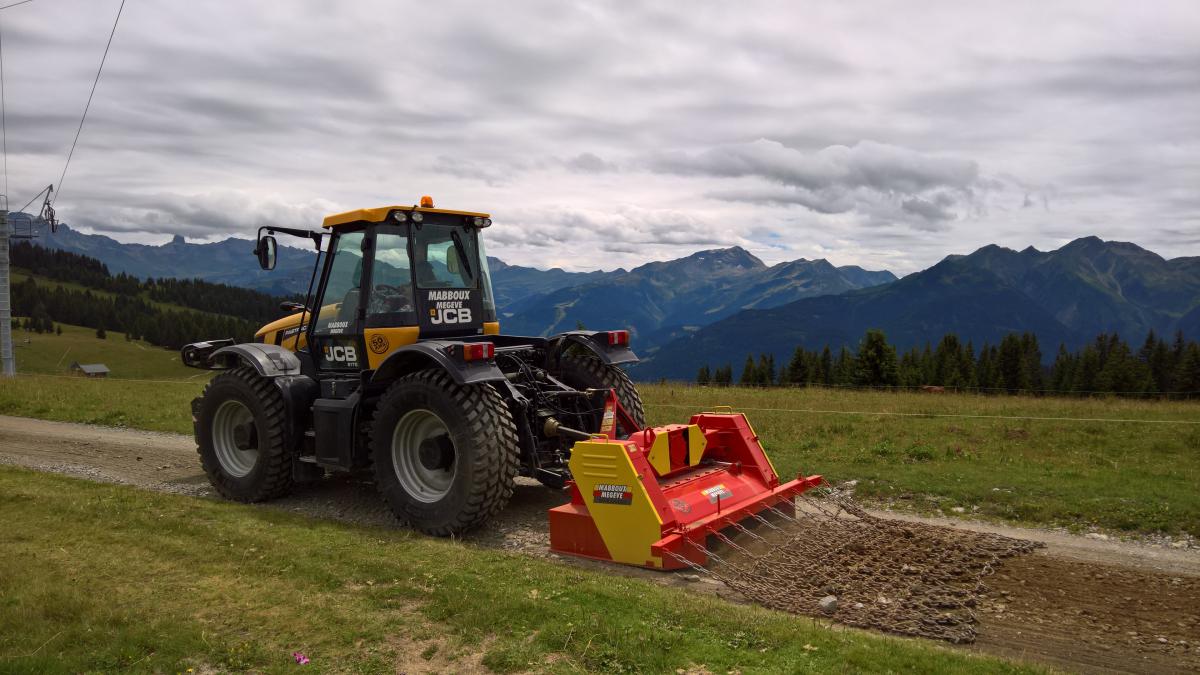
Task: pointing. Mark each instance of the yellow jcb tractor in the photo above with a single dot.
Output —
(395, 365)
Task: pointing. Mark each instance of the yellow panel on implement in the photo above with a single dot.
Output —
(615, 492)
(380, 214)
(689, 448)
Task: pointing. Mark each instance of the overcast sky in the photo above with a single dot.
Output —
(606, 134)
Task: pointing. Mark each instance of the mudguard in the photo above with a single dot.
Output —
(436, 354)
(268, 360)
(597, 343)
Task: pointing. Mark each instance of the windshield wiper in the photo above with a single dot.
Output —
(461, 250)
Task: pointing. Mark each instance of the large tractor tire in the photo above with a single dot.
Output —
(584, 371)
(445, 455)
(240, 423)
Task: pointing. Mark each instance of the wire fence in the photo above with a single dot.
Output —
(888, 413)
(948, 389)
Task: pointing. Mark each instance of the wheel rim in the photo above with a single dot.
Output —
(424, 456)
(234, 419)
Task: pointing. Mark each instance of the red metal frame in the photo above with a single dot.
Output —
(735, 481)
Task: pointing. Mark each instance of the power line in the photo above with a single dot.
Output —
(95, 82)
(22, 2)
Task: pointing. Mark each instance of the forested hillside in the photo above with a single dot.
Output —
(164, 312)
(1107, 365)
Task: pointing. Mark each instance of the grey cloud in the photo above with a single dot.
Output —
(883, 182)
(586, 162)
(937, 208)
(867, 164)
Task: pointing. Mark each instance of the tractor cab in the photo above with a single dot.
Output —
(391, 276)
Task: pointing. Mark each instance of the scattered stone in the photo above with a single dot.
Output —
(958, 509)
(1097, 536)
(828, 604)
(858, 605)
(1179, 544)
(691, 577)
(1162, 640)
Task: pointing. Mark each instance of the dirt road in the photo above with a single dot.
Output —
(1079, 603)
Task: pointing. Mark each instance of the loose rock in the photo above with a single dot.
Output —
(828, 604)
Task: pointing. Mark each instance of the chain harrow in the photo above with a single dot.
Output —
(900, 577)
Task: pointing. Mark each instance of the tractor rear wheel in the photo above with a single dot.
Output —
(445, 455)
(584, 371)
(239, 424)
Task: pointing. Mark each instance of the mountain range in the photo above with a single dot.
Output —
(660, 301)
(657, 301)
(1066, 296)
(716, 306)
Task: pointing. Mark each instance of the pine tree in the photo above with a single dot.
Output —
(1122, 372)
(749, 376)
(797, 372)
(704, 376)
(100, 333)
(876, 361)
(58, 330)
(966, 365)
(1187, 376)
(910, 369)
(725, 375)
(766, 369)
(1087, 369)
(1161, 364)
(1031, 362)
(1013, 375)
(1062, 373)
(843, 368)
(946, 370)
(826, 366)
(984, 368)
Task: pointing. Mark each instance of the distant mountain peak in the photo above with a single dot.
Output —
(178, 239)
(734, 256)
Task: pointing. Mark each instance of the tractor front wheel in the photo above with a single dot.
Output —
(239, 425)
(445, 455)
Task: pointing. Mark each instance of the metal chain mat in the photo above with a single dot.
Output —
(900, 577)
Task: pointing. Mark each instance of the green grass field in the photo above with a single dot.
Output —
(104, 578)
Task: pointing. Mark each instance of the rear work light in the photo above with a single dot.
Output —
(618, 338)
(479, 351)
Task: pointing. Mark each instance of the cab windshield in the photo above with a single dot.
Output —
(445, 256)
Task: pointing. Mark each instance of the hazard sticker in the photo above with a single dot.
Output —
(607, 493)
(716, 492)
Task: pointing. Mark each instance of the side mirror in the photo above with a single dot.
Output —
(266, 251)
(289, 306)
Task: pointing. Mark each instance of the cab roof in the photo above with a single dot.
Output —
(380, 214)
